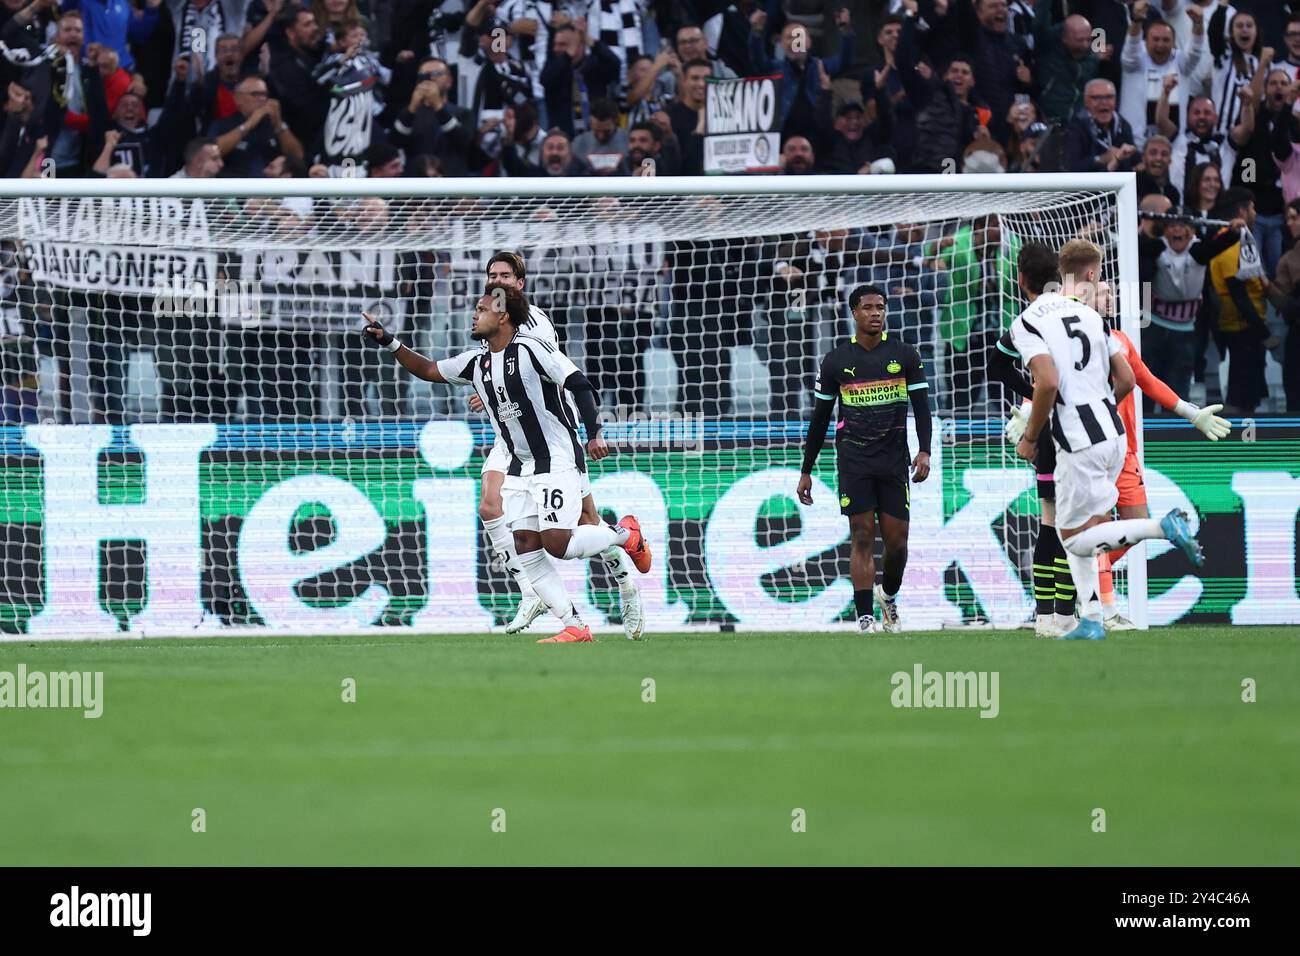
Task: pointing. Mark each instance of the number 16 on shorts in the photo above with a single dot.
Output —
(551, 501)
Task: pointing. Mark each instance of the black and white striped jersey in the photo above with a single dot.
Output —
(1075, 337)
(539, 327)
(522, 387)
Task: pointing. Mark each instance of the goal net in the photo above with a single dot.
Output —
(195, 437)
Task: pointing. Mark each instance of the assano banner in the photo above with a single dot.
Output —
(740, 125)
(164, 528)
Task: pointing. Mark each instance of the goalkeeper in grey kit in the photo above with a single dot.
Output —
(874, 378)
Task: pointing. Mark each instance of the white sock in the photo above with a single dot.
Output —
(1110, 535)
(550, 586)
(589, 540)
(1087, 587)
(619, 567)
(503, 543)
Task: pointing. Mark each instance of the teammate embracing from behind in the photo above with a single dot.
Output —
(521, 381)
(1074, 361)
(873, 377)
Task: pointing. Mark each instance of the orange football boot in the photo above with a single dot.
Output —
(570, 635)
(636, 547)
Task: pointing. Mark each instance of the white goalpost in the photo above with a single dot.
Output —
(196, 439)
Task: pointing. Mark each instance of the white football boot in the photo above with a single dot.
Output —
(530, 609)
(888, 610)
(633, 618)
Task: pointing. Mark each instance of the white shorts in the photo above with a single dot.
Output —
(498, 459)
(543, 502)
(1085, 482)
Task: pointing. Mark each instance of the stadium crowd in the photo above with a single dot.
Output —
(1198, 97)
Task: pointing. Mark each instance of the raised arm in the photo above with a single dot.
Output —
(412, 361)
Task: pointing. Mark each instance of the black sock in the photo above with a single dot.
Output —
(1064, 581)
(863, 601)
(892, 583)
(1045, 570)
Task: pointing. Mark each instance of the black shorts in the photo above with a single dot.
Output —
(1045, 467)
(886, 494)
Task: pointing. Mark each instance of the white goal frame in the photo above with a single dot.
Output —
(1123, 187)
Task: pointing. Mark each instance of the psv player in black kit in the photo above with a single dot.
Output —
(874, 377)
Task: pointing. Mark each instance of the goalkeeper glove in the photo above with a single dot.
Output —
(1207, 423)
(1016, 424)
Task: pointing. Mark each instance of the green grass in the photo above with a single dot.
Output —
(745, 728)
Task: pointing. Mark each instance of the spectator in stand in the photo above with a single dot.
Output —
(650, 83)
(1064, 62)
(855, 145)
(263, 33)
(1197, 144)
(1026, 155)
(644, 146)
(797, 157)
(975, 305)
(690, 44)
(18, 146)
(529, 24)
(1179, 261)
(384, 161)
(54, 75)
(1271, 132)
(914, 290)
(256, 134)
(216, 89)
(202, 159)
(292, 79)
(557, 158)
(1234, 68)
(1291, 57)
(687, 116)
(355, 79)
(432, 124)
(1237, 275)
(999, 58)
(522, 131)
(117, 24)
(902, 132)
(800, 71)
(707, 274)
(199, 23)
(1153, 172)
(1284, 294)
(1148, 57)
(145, 150)
(603, 145)
(946, 119)
(579, 69)
(337, 17)
(501, 81)
(1100, 140)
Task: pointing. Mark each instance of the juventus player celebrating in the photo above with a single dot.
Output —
(873, 377)
(521, 381)
(508, 269)
(1073, 361)
(1080, 264)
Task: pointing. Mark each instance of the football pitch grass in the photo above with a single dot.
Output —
(450, 735)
